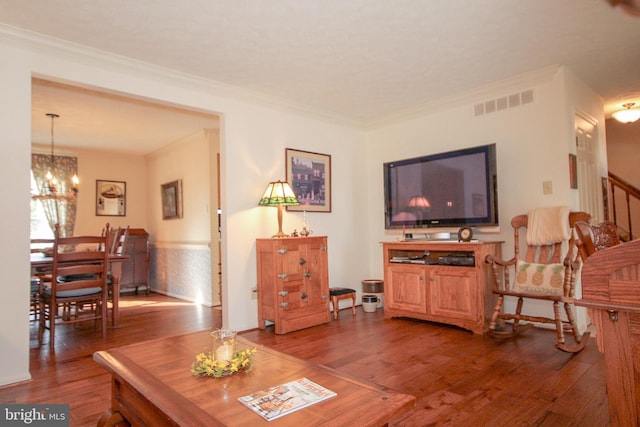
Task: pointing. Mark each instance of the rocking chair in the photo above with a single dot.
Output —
(543, 273)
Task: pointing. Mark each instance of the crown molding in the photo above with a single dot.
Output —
(80, 53)
(106, 60)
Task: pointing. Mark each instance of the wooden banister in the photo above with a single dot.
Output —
(630, 192)
(610, 285)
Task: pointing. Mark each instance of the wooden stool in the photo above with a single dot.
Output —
(338, 294)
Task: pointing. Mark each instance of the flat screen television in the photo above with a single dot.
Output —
(448, 189)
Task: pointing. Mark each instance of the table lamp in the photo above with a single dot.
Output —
(279, 194)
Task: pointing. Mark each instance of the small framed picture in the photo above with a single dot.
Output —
(111, 198)
(172, 200)
(310, 177)
(573, 171)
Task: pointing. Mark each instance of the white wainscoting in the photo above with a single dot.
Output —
(183, 270)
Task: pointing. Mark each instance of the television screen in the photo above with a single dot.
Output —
(442, 190)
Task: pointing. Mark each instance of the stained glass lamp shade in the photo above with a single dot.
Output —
(279, 194)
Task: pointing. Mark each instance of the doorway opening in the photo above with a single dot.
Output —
(143, 142)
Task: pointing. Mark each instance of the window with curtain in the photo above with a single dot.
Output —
(59, 207)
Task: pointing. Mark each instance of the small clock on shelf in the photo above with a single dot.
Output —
(465, 234)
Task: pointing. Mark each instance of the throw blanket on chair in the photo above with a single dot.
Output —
(547, 226)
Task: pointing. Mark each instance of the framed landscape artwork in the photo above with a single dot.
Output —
(172, 200)
(111, 198)
(310, 177)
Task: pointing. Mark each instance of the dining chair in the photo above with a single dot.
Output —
(119, 239)
(107, 232)
(118, 246)
(77, 291)
(38, 276)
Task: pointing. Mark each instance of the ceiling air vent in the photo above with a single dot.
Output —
(503, 103)
(526, 97)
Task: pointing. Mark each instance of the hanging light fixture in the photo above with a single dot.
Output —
(51, 187)
(628, 115)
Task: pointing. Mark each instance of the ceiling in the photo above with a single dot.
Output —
(105, 121)
(359, 60)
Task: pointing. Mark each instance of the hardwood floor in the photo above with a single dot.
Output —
(459, 379)
(71, 376)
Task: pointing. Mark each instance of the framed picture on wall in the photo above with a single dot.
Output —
(111, 198)
(310, 177)
(573, 171)
(172, 200)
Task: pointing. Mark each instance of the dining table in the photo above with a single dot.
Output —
(42, 264)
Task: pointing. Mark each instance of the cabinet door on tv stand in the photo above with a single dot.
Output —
(405, 288)
(453, 292)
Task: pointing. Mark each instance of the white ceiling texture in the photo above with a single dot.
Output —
(363, 61)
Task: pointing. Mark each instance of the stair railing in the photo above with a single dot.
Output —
(629, 192)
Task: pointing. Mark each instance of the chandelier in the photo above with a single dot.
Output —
(52, 187)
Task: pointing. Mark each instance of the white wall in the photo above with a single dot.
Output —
(532, 147)
(15, 134)
(187, 160)
(103, 165)
(252, 149)
(583, 102)
(181, 256)
(533, 142)
(254, 135)
(623, 150)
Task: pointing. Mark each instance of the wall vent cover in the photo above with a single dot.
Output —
(503, 103)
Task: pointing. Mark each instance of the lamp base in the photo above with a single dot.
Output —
(279, 234)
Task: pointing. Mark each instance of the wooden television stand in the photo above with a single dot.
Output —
(440, 281)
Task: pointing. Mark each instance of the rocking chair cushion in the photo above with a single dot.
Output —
(546, 279)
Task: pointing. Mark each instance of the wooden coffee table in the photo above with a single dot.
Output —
(152, 385)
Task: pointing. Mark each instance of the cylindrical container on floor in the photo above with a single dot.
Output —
(369, 303)
(375, 287)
